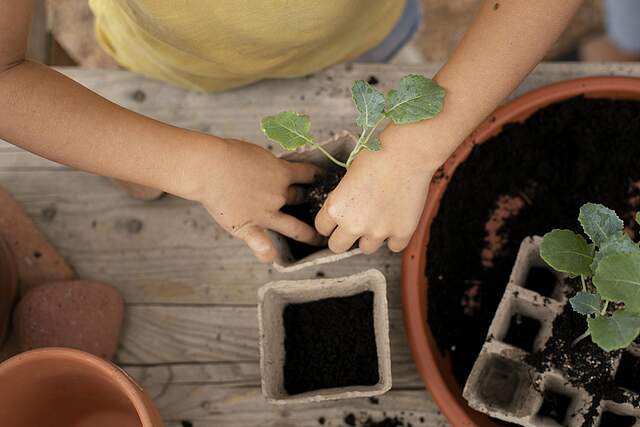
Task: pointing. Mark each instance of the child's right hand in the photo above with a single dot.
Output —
(243, 186)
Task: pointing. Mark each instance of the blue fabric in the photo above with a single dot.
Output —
(622, 19)
(403, 32)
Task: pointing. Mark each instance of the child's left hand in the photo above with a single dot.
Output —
(382, 195)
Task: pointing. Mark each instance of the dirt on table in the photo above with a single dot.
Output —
(315, 196)
(569, 153)
(330, 343)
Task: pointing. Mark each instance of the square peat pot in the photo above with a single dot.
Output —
(295, 256)
(503, 385)
(324, 339)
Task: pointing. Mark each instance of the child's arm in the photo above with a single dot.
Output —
(242, 185)
(383, 193)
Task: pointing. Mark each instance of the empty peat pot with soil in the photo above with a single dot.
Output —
(59, 387)
(541, 157)
(324, 339)
(417, 98)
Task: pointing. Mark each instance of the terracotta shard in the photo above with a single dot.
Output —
(8, 287)
(37, 261)
(79, 314)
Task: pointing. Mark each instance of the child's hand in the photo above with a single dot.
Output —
(381, 197)
(244, 186)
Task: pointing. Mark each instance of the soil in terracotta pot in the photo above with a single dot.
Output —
(315, 195)
(330, 343)
(572, 152)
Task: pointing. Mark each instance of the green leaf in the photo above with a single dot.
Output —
(586, 303)
(618, 279)
(369, 103)
(374, 144)
(289, 129)
(638, 217)
(567, 252)
(599, 222)
(621, 244)
(614, 332)
(418, 98)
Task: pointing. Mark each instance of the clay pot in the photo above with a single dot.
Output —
(81, 314)
(8, 287)
(435, 369)
(58, 387)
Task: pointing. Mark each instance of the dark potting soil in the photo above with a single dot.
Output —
(351, 421)
(522, 332)
(542, 281)
(628, 373)
(569, 153)
(554, 406)
(315, 195)
(330, 343)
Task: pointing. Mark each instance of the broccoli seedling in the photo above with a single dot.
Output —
(609, 268)
(418, 98)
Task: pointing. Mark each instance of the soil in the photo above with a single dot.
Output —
(522, 332)
(576, 151)
(315, 195)
(542, 281)
(554, 406)
(330, 343)
(560, 152)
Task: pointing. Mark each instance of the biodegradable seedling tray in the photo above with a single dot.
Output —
(272, 300)
(339, 146)
(504, 386)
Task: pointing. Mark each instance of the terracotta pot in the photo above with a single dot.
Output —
(435, 369)
(58, 387)
(8, 287)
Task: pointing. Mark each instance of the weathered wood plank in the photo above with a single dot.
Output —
(205, 405)
(242, 374)
(209, 335)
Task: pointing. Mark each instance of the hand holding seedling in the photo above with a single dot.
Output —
(609, 269)
(383, 192)
(261, 185)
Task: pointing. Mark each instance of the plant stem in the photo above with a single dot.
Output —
(584, 285)
(580, 338)
(362, 141)
(605, 308)
(329, 156)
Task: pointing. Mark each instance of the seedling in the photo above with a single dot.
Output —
(418, 98)
(609, 269)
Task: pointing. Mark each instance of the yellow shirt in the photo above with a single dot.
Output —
(221, 44)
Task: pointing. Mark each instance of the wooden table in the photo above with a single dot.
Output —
(190, 335)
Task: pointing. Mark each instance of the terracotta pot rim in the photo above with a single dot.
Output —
(119, 377)
(414, 284)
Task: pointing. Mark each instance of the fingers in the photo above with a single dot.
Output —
(259, 242)
(295, 229)
(295, 195)
(323, 222)
(341, 240)
(303, 173)
(370, 244)
(397, 244)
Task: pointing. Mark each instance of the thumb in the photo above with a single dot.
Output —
(259, 242)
